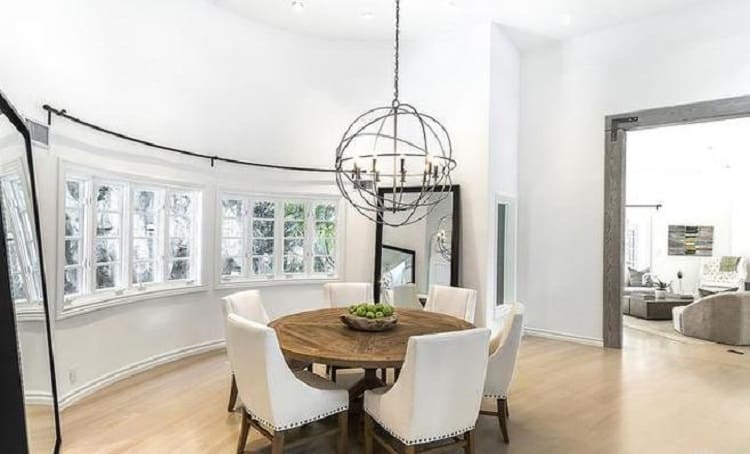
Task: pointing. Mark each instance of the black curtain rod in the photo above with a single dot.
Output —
(64, 114)
(658, 206)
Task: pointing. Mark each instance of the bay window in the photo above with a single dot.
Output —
(124, 236)
(265, 238)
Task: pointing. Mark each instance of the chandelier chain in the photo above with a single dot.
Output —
(397, 45)
(382, 167)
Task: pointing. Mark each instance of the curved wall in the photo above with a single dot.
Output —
(188, 74)
(185, 74)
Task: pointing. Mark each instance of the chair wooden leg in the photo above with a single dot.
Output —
(343, 441)
(232, 395)
(410, 450)
(507, 408)
(334, 369)
(277, 444)
(502, 417)
(396, 373)
(470, 442)
(368, 434)
(244, 431)
(384, 375)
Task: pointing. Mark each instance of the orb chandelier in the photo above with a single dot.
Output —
(395, 159)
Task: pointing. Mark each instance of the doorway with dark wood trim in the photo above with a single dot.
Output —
(616, 129)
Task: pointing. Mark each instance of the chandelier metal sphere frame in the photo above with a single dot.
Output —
(395, 159)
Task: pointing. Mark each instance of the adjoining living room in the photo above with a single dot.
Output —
(687, 234)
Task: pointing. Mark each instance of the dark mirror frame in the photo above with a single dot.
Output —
(13, 431)
(455, 193)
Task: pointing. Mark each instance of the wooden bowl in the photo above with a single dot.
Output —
(358, 323)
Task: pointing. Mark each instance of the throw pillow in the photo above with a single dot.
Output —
(728, 264)
(636, 278)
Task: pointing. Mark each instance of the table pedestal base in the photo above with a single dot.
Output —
(369, 381)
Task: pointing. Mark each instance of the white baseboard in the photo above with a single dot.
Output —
(557, 335)
(37, 397)
(105, 380)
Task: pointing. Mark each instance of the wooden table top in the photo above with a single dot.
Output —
(319, 336)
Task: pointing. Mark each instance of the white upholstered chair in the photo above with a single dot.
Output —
(406, 296)
(248, 305)
(344, 294)
(504, 347)
(437, 395)
(275, 399)
(457, 302)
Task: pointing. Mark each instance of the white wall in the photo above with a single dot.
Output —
(448, 77)
(505, 105)
(701, 198)
(187, 74)
(698, 53)
(190, 75)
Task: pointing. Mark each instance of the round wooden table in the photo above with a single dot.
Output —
(320, 337)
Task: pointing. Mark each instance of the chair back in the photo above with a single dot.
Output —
(440, 386)
(502, 361)
(259, 367)
(457, 302)
(406, 296)
(343, 294)
(247, 304)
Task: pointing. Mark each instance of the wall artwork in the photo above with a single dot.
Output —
(697, 240)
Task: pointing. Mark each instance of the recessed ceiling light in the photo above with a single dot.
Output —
(367, 15)
(298, 6)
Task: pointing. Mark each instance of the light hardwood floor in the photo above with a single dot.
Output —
(655, 396)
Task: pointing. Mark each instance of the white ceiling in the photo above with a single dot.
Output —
(687, 149)
(532, 21)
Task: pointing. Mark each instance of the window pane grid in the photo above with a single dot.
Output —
(232, 242)
(289, 238)
(146, 233)
(263, 237)
(324, 247)
(73, 269)
(107, 235)
(293, 261)
(137, 235)
(180, 206)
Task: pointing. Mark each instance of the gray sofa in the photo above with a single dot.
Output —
(723, 318)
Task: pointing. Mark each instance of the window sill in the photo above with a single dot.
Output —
(277, 282)
(91, 303)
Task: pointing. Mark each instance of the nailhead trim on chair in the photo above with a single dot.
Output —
(495, 396)
(299, 423)
(420, 441)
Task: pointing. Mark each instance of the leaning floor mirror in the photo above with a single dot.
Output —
(409, 259)
(29, 405)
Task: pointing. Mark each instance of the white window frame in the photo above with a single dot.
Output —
(92, 238)
(279, 277)
(126, 292)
